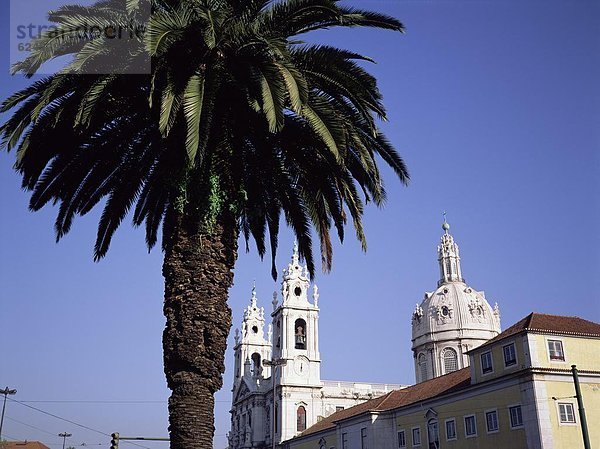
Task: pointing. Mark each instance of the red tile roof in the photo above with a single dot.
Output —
(398, 398)
(458, 380)
(544, 323)
(24, 445)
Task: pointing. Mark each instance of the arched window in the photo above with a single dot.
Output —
(422, 362)
(433, 436)
(301, 419)
(450, 360)
(276, 419)
(256, 366)
(300, 333)
(278, 334)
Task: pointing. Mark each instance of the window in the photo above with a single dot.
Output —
(256, 366)
(450, 360)
(486, 363)
(276, 418)
(422, 360)
(491, 421)
(339, 408)
(278, 334)
(450, 429)
(566, 412)
(344, 441)
(416, 436)
(401, 439)
(300, 333)
(555, 349)
(433, 436)
(510, 356)
(516, 416)
(301, 419)
(470, 426)
(363, 438)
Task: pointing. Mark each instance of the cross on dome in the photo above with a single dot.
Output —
(445, 225)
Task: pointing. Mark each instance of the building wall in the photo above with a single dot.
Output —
(577, 350)
(460, 407)
(382, 430)
(522, 352)
(562, 388)
(319, 403)
(322, 440)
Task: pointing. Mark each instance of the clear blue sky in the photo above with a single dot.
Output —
(495, 106)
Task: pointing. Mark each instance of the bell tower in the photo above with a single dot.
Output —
(296, 340)
(295, 325)
(251, 347)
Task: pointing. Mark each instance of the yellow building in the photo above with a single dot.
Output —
(517, 392)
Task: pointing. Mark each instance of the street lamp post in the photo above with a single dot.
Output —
(64, 436)
(584, 427)
(5, 392)
(274, 364)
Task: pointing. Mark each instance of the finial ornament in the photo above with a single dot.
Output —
(445, 225)
(316, 295)
(497, 311)
(448, 257)
(274, 302)
(295, 255)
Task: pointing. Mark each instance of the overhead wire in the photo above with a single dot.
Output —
(73, 422)
(29, 425)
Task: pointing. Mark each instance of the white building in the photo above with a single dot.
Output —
(301, 397)
(451, 320)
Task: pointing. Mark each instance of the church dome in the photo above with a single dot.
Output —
(452, 319)
(452, 307)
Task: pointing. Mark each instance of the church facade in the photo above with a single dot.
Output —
(278, 392)
(477, 387)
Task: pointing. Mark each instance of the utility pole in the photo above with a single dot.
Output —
(5, 392)
(584, 428)
(64, 436)
(274, 364)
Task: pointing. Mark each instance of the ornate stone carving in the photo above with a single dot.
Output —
(417, 315)
(477, 310)
(444, 312)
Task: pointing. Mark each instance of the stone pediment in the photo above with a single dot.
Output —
(242, 391)
(431, 413)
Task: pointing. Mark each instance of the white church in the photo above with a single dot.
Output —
(449, 321)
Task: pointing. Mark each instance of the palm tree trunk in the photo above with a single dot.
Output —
(198, 274)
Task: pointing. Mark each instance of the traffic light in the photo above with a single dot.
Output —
(114, 442)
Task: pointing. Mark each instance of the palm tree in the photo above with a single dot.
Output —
(237, 124)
